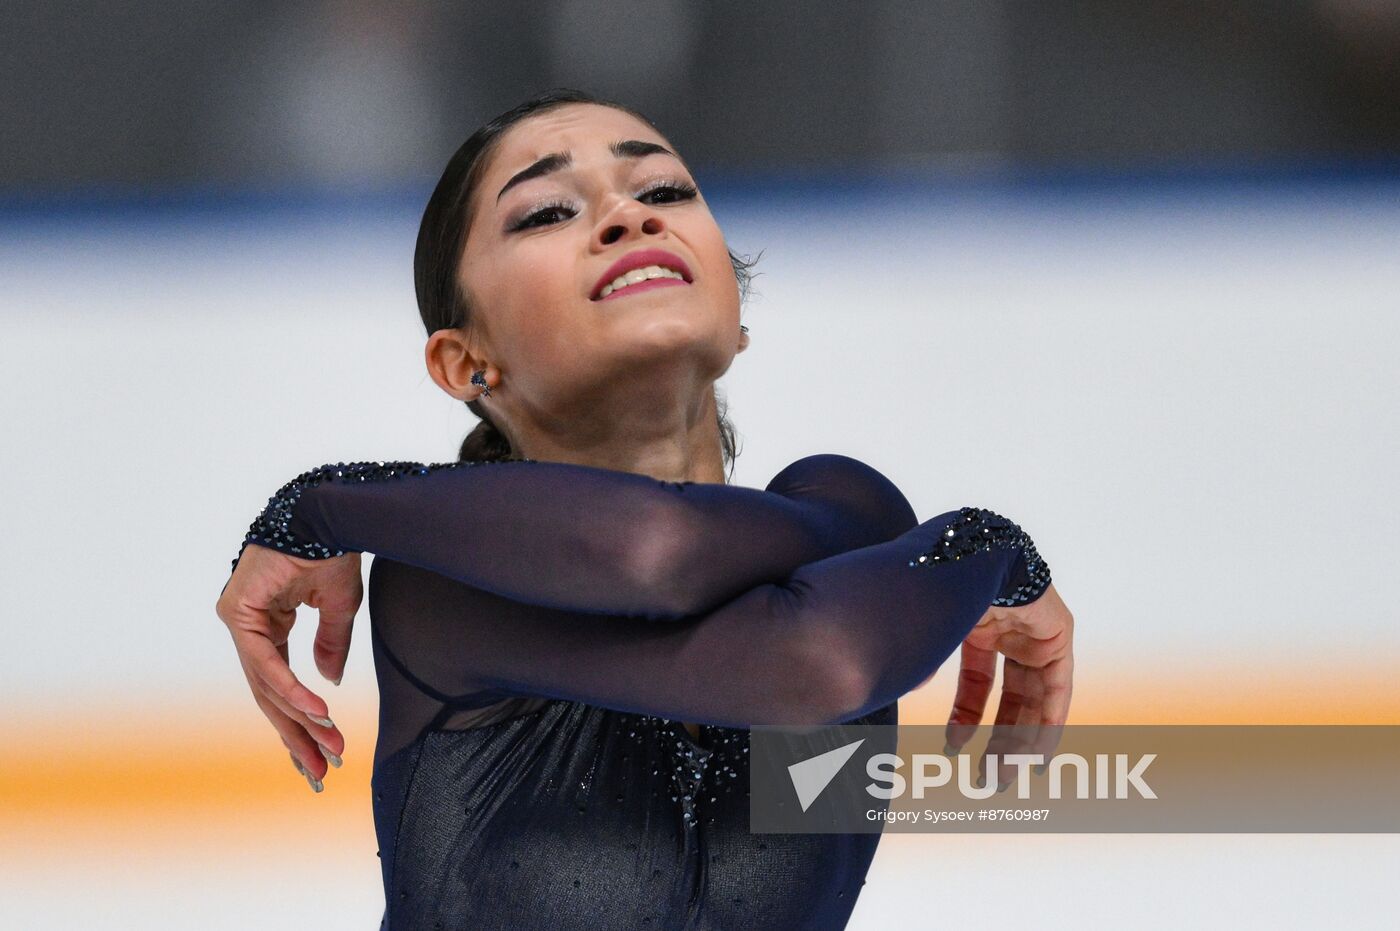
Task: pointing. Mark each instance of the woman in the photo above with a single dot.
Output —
(575, 623)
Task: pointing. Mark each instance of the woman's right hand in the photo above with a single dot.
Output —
(259, 606)
(1038, 642)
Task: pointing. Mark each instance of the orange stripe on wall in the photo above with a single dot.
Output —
(74, 778)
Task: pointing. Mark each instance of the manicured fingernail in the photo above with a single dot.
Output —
(1040, 769)
(331, 758)
(297, 763)
(324, 722)
(949, 750)
(315, 783)
(1004, 786)
(336, 680)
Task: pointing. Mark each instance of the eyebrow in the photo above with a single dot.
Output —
(626, 148)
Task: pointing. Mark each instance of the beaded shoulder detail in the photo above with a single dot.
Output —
(977, 529)
(272, 528)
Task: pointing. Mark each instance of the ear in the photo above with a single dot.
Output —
(450, 362)
(743, 340)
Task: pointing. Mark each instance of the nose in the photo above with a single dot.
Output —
(629, 218)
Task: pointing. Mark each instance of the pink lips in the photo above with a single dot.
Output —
(641, 258)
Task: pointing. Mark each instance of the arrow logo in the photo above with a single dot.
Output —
(813, 775)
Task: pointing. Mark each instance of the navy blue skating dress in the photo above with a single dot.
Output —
(541, 630)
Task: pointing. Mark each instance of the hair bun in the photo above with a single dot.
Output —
(485, 443)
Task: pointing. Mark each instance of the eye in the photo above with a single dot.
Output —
(542, 216)
(672, 191)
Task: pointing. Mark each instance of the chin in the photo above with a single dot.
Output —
(674, 336)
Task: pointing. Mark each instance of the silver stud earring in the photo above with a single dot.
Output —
(743, 328)
(479, 378)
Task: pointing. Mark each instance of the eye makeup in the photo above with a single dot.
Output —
(538, 214)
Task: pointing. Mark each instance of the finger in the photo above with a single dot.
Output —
(1059, 688)
(1026, 732)
(266, 659)
(330, 739)
(1013, 694)
(282, 615)
(291, 754)
(303, 745)
(1033, 651)
(1057, 685)
(294, 737)
(1008, 709)
(332, 646)
(336, 591)
(1017, 720)
(975, 677)
(279, 683)
(301, 748)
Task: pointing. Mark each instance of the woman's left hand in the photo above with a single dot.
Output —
(259, 606)
(1037, 680)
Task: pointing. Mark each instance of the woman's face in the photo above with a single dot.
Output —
(537, 250)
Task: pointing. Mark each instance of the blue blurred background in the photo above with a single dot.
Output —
(1127, 272)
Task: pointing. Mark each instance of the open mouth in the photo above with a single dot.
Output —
(610, 291)
(641, 270)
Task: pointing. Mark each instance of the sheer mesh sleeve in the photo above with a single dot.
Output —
(835, 640)
(581, 538)
(816, 600)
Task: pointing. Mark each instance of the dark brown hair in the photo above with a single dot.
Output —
(442, 236)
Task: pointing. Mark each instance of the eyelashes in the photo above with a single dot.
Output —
(541, 216)
(676, 191)
(681, 189)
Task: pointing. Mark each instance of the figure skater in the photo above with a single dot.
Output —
(575, 624)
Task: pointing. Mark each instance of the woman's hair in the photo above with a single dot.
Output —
(442, 236)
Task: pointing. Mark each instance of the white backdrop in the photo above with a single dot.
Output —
(1184, 392)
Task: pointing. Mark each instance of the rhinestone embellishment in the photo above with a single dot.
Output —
(977, 529)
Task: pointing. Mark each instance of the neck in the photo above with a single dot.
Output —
(684, 447)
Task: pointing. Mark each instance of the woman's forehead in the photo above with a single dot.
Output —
(577, 128)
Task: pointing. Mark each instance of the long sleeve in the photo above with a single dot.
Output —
(581, 538)
(836, 639)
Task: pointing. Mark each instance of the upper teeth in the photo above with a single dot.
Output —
(637, 275)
